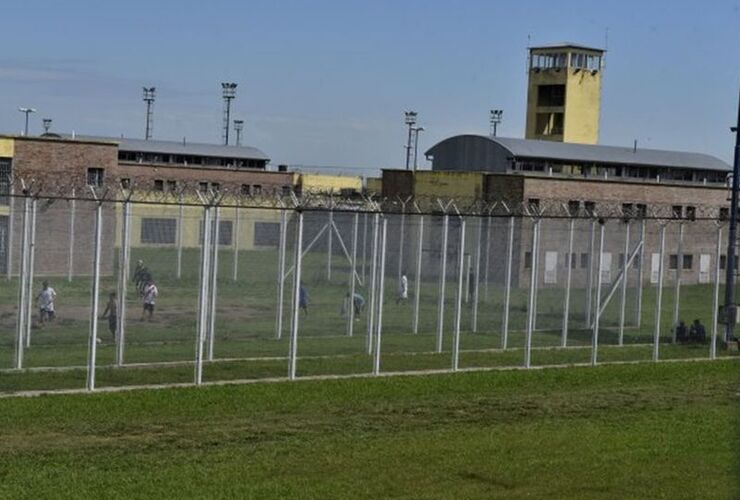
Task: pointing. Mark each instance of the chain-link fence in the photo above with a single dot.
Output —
(139, 290)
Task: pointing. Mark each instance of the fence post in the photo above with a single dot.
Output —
(71, 257)
(22, 287)
(381, 284)
(640, 274)
(373, 285)
(180, 227)
(293, 347)
(364, 244)
(659, 296)
(507, 291)
(93, 340)
(590, 274)
(214, 283)
(488, 257)
(599, 282)
(123, 271)
(203, 294)
(442, 283)
(281, 273)
(31, 262)
(11, 227)
(625, 269)
(352, 280)
(401, 241)
(532, 287)
(568, 282)
(677, 294)
(236, 241)
(715, 302)
(417, 276)
(458, 299)
(537, 276)
(329, 244)
(476, 276)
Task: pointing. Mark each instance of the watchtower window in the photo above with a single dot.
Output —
(551, 95)
(549, 124)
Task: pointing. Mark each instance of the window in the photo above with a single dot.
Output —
(677, 211)
(641, 210)
(158, 185)
(95, 177)
(724, 213)
(246, 190)
(690, 212)
(171, 186)
(287, 190)
(573, 258)
(225, 231)
(688, 262)
(125, 183)
(551, 95)
(533, 205)
(573, 207)
(549, 124)
(673, 261)
(216, 186)
(203, 187)
(257, 189)
(266, 234)
(6, 174)
(590, 207)
(723, 261)
(158, 231)
(621, 260)
(628, 209)
(527, 260)
(584, 260)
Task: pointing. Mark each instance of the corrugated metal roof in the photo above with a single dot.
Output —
(179, 148)
(591, 153)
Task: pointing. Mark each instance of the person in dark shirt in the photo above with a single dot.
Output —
(682, 333)
(697, 333)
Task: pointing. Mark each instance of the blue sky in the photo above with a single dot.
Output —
(325, 82)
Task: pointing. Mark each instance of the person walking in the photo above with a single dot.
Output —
(403, 289)
(150, 295)
(45, 301)
(111, 312)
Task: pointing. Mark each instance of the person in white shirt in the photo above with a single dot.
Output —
(403, 289)
(150, 294)
(46, 302)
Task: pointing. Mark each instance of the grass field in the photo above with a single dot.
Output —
(245, 327)
(633, 431)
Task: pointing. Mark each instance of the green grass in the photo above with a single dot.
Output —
(632, 431)
(245, 327)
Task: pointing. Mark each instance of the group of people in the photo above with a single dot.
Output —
(695, 333)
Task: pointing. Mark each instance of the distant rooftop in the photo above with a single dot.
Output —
(567, 45)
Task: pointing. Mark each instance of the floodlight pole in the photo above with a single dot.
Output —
(93, 339)
(732, 238)
(417, 276)
(442, 283)
(659, 296)
(26, 111)
(507, 290)
(410, 120)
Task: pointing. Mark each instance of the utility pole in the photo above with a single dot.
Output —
(410, 122)
(28, 111)
(730, 314)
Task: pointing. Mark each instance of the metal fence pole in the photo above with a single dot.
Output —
(296, 309)
(180, 228)
(489, 219)
(640, 275)
(236, 242)
(568, 282)
(203, 294)
(507, 290)
(22, 287)
(677, 294)
(401, 238)
(537, 276)
(476, 276)
(625, 269)
(11, 229)
(458, 299)
(590, 274)
(93, 340)
(599, 282)
(71, 257)
(281, 273)
(532, 287)
(715, 302)
(214, 283)
(417, 276)
(442, 283)
(352, 273)
(329, 245)
(373, 285)
(381, 284)
(659, 296)
(123, 271)
(364, 244)
(31, 263)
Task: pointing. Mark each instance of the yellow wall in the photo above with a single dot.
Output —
(374, 185)
(327, 183)
(582, 107)
(449, 184)
(7, 147)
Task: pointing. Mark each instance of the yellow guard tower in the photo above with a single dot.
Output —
(564, 94)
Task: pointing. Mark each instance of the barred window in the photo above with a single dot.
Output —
(5, 177)
(225, 231)
(158, 231)
(266, 234)
(95, 177)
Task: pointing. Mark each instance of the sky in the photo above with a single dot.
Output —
(326, 82)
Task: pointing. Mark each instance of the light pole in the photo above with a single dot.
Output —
(229, 94)
(238, 127)
(730, 317)
(495, 117)
(416, 144)
(410, 122)
(148, 96)
(26, 111)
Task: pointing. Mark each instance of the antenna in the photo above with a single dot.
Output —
(47, 124)
(229, 94)
(148, 97)
(238, 127)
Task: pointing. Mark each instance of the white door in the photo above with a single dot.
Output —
(606, 267)
(551, 268)
(654, 268)
(704, 268)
